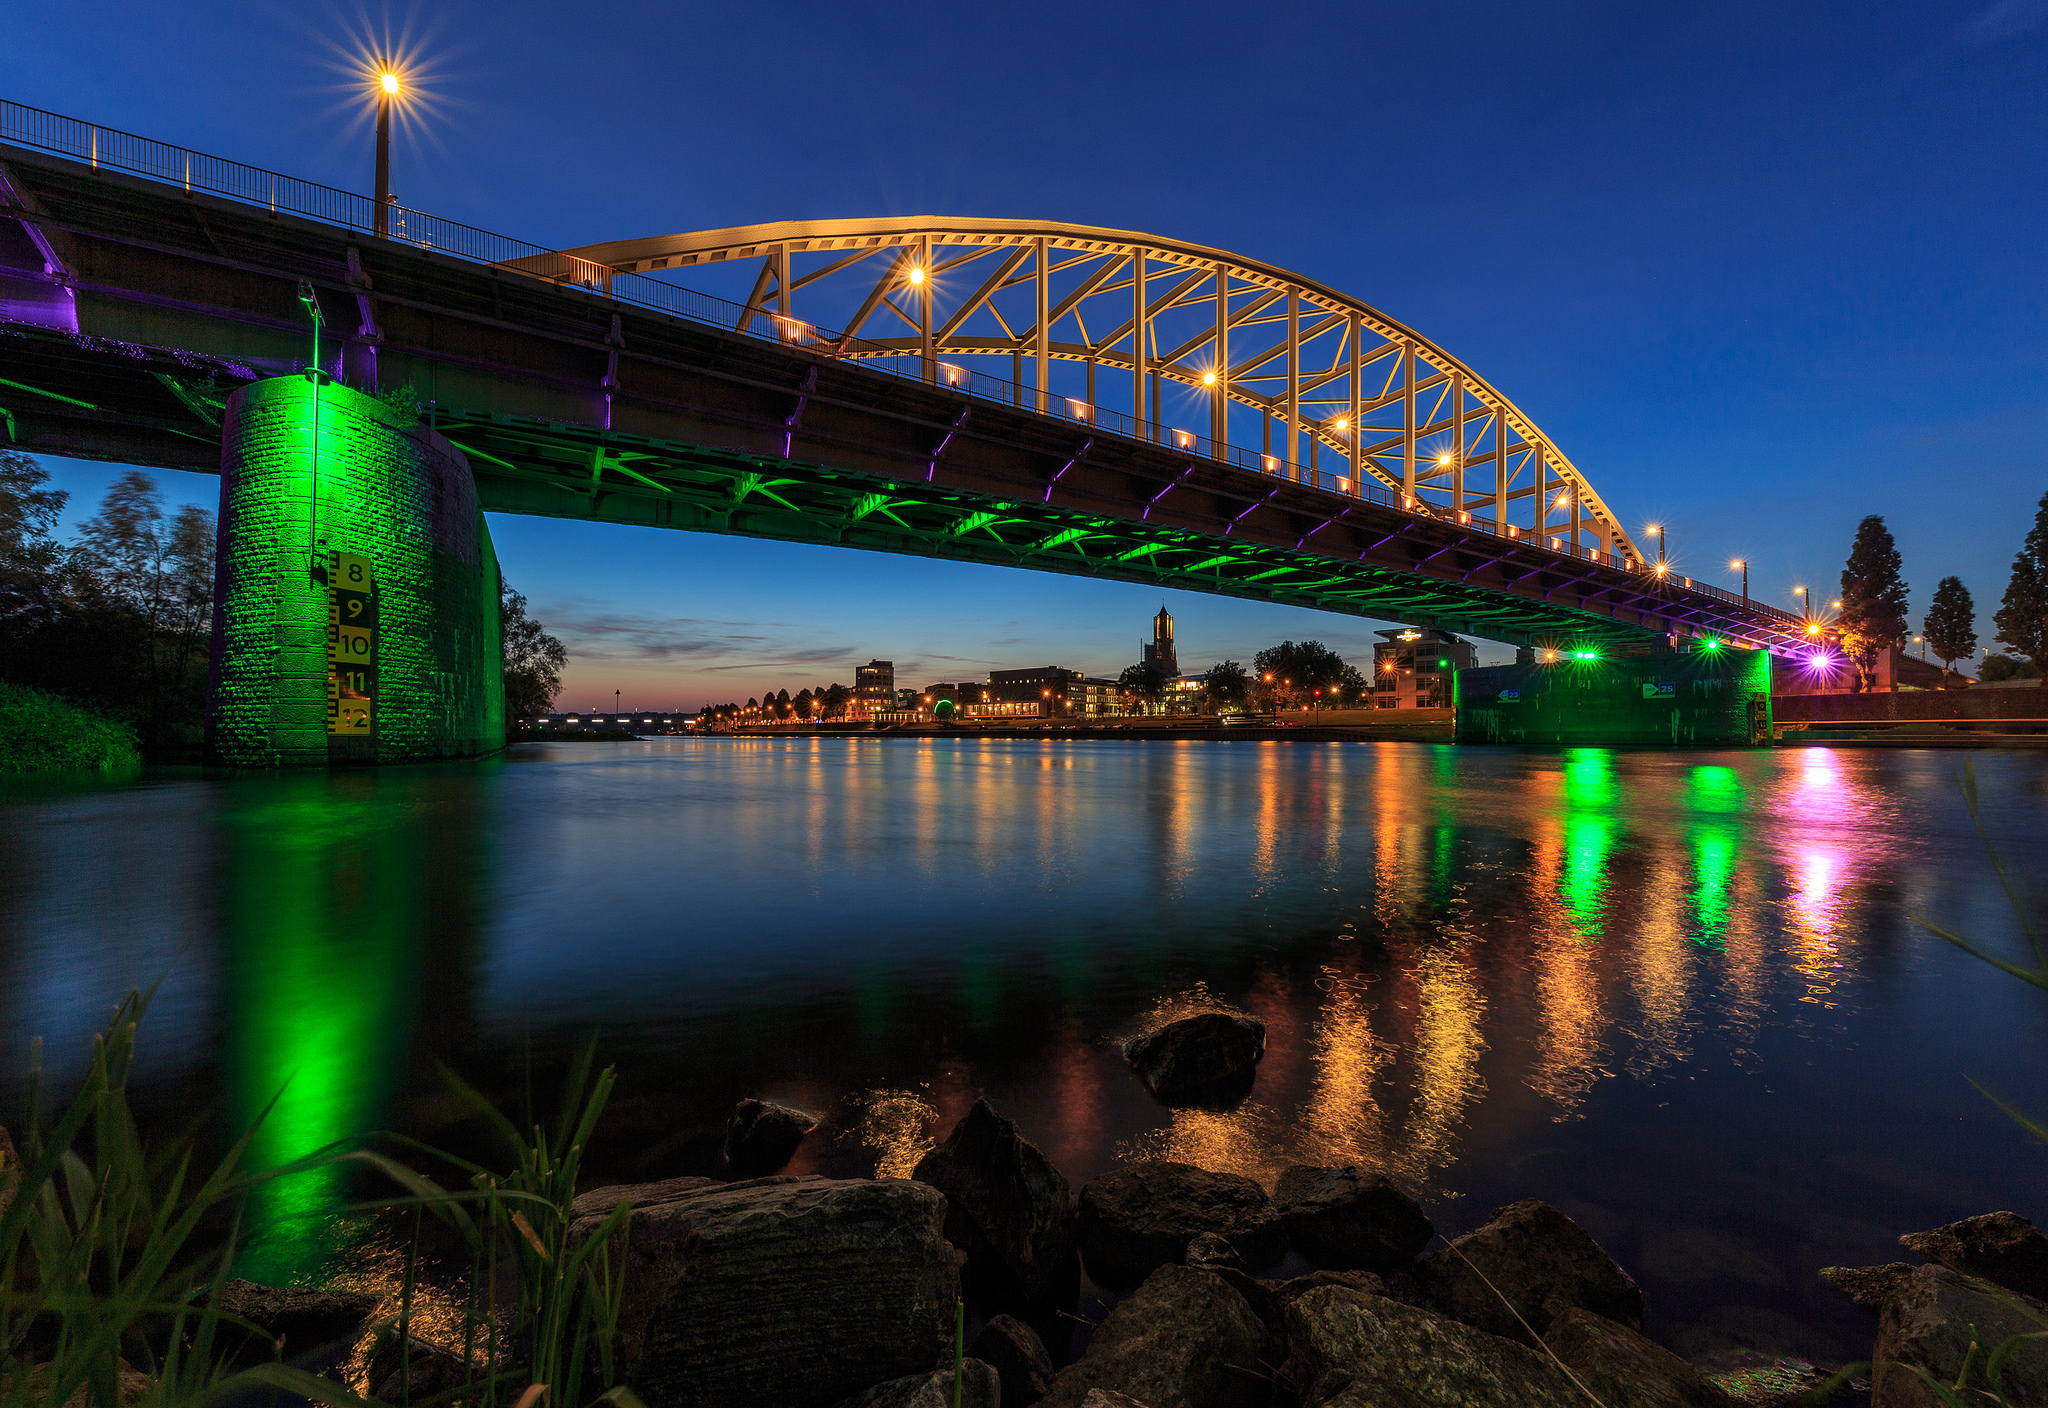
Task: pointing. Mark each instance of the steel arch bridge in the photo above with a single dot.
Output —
(141, 284)
(1340, 391)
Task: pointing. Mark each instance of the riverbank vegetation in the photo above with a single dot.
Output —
(117, 1262)
(44, 733)
(116, 620)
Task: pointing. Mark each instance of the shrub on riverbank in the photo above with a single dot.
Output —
(47, 733)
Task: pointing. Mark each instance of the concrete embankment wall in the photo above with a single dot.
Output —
(324, 489)
(2027, 703)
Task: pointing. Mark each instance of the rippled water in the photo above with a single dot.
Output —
(1681, 995)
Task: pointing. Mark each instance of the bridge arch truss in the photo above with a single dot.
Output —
(1211, 352)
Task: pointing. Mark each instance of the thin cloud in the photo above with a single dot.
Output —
(2005, 19)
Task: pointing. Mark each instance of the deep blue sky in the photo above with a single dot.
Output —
(1758, 269)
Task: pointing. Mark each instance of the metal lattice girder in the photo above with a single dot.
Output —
(533, 466)
(1335, 375)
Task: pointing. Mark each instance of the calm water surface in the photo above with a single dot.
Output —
(1681, 995)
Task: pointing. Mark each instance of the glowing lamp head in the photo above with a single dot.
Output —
(1208, 378)
(1813, 630)
(1660, 569)
(1343, 423)
(388, 82)
(916, 274)
(1443, 459)
(1738, 563)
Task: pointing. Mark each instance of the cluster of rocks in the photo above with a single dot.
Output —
(769, 1291)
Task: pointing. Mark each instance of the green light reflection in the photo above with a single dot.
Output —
(1589, 835)
(323, 926)
(1713, 864)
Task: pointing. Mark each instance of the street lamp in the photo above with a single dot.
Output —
(387, 89)
(1743, 563)
(1657, 531)
(1805, 602)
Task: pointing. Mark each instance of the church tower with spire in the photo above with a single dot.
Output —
(1160, 652)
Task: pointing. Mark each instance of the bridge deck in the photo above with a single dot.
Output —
(573, 405)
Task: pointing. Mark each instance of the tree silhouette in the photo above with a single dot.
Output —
(1228, 685)
(1873, 599)
(534, 660)
(2022, 619)
(1950, 625)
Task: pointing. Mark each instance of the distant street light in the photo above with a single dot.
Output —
(1743, 563)
(387, 89)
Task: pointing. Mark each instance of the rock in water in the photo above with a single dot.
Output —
(1871, 1287)
(10, 1170)
(979, 1388)
(1352, 1350)
(1929, 1321)
(1142, 1217)
(303, 1320)
(1350, 1218)
(2000, 1247)
(1534, 1256)
(1185, 1339)
(1620, 1366)
(783, 1292)
(1014, 1350)
(761, 1138)
(1197, 1054)
(1007, 1207)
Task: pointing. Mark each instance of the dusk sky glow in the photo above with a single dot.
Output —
(1759, 270)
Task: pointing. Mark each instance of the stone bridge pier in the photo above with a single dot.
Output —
(355, 616)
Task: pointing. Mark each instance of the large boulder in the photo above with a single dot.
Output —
(599, 1202)
(1350, 1218)
(1348, 1349)
(1621, 1367)
(1209, 1052)
(290, 1322)
(1007, 1207)
(1014, 1350)
(782, 1292)
(1185, 1339)
(1521, 1268)
(979, 1388)
(1930, 1317)
(2000, 1247)
(761, 1138)
(1141, 1217)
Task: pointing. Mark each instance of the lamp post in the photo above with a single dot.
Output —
(387, 89)
(1805, 602)
(1658, 529)
(1743, 563)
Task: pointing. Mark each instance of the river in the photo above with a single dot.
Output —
(1685, 996)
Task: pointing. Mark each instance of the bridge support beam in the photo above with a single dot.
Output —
(356, 598)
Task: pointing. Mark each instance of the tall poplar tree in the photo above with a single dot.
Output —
(1951, 623)
(2022, 619)
(1873, 599)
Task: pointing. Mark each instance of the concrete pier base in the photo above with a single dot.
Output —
(355, 613)
(1715, 696)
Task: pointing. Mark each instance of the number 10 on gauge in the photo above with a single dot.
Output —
(351, 644)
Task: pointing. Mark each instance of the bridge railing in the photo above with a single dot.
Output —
(116, 150)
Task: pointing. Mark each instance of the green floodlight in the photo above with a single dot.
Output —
(1711, 645)
(1442, 663)
(1585, 655)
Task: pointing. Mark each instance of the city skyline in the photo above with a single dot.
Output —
(1758, 273)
